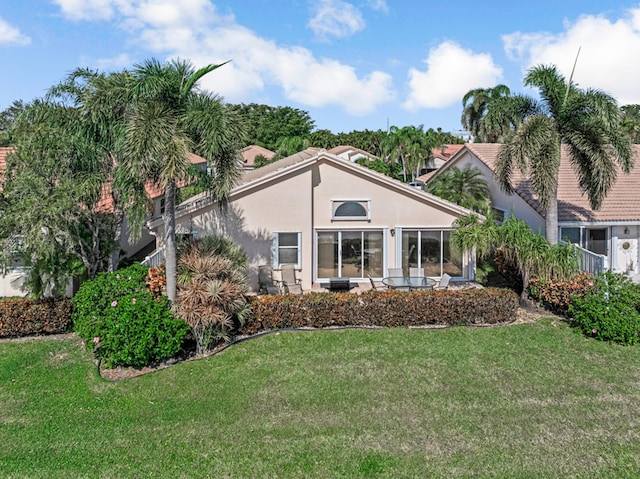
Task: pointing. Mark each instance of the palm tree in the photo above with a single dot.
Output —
(465, 187)
(409, 146)
(171, 118)
(476, 104)
(588, 122)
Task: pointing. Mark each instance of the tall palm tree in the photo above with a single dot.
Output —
(171, 118)
(465, 187)
(409, 146)
(588, 122)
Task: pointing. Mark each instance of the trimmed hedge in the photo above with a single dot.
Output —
(558, 296)
(25, 317)
(382, 308)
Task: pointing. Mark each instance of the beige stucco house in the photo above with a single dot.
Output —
(331, 218)
(612, 232)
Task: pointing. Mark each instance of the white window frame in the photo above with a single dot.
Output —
(276, 249)
(398, 244)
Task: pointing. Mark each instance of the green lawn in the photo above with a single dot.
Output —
(532, 400)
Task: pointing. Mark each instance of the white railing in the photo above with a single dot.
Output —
(589, 261)
(154, 259)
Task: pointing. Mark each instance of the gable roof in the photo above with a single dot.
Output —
(621, 204)
(444, 152)
(250, 152)
(350, 153)
(275, 171)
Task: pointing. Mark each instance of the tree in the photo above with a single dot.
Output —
(52, 196)
(7, 118)
(530, 254)
(170, 119)
(475, 105)
(587, 122)
(465, 187)
(266, 125)
(409, 146)
(288, 146)
(631, 121)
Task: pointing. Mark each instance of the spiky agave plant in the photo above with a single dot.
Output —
(211, 295)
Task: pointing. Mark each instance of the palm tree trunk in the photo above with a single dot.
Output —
(170, 239)
(551, 221)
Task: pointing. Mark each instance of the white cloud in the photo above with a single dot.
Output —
(451, 72)
(379, 5)
(608, 52)
(335, 18)
(199, 32)
(88, 9)
(11, 35)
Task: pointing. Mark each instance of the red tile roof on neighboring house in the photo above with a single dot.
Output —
(250, 152)
(4, 151)
(350, 152)
(443, 152)
(446, 151)
(621, 204)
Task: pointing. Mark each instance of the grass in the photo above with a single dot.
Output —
(532, 400)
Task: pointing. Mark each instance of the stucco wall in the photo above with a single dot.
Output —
(301, 202)
(501, 200)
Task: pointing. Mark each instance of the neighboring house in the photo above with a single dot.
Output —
(613, 231)
(249, 154)
(350, 153)
(439, 156)
(147, 242)
(330, 218)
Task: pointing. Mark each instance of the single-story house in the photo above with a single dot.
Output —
(612, 232)
(331, 218)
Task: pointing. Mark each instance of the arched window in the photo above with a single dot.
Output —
(350, 210)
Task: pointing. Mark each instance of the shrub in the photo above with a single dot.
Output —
(558, 296)
(123, 323)
(24, 317)
(156, 281)
(608, 311)
(382, 308)
(211, 290)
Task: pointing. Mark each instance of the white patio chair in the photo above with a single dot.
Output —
(444, 282)
(416, 272)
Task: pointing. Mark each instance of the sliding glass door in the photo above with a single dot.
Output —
(431, 250)
(350, 254)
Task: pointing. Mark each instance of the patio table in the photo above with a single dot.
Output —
(408, 282)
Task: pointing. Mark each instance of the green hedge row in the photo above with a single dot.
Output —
(381, 308)
(25, 317)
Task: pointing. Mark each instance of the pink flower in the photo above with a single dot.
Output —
(594, 331)
(133, 300)
(114, 304)
(590, 283)
(117, 276)
(96, 340)
(82, 343)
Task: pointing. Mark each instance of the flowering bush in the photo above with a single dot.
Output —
(609, 310)
(121, 321)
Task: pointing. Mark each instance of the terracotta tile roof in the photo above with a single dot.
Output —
(347, 152)
(4, 151)
(250, 152)
(446, 151)
(621, 204)
(251, 175)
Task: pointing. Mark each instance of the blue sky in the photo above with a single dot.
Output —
(354, 65)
